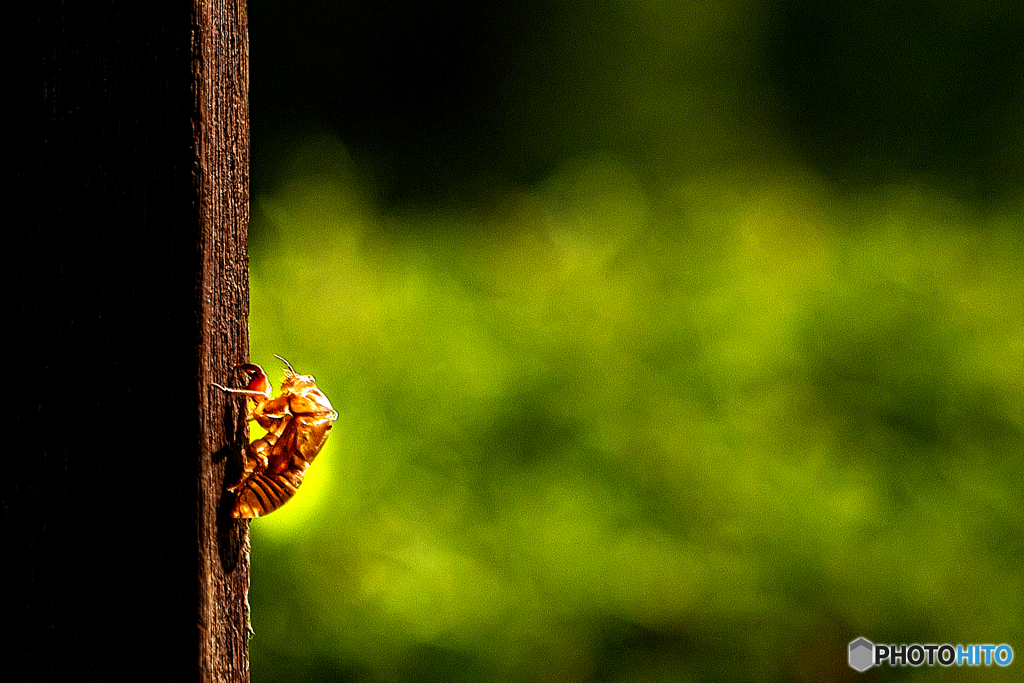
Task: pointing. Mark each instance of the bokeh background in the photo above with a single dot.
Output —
(670, 341)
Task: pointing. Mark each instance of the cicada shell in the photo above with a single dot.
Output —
(298, 421)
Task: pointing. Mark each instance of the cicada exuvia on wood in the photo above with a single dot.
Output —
(297, 421)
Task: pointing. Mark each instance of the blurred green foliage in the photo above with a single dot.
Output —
(658, 399)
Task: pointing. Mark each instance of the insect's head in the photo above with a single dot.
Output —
(257, 378)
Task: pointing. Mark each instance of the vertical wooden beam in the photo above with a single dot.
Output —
(127, 295)
(221, 57)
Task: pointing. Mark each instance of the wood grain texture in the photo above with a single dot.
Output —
(221, 59)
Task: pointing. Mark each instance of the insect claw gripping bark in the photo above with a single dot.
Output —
(298, 421)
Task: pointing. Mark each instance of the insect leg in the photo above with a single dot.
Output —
(247, 392)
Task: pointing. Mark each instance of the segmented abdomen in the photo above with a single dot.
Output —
(287, 451)
(263, 492)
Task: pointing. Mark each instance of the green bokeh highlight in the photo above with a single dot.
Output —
(655, 397)
(590, 442)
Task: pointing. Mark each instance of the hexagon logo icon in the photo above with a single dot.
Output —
(862, 654)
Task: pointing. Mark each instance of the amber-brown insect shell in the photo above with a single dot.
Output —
(297, 423)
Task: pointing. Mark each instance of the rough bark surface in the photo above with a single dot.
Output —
(221, 51)
(128, 295)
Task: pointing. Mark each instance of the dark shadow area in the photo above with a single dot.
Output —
(413, 89)
(875, 92)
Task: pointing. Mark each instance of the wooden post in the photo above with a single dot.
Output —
(128, 296)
